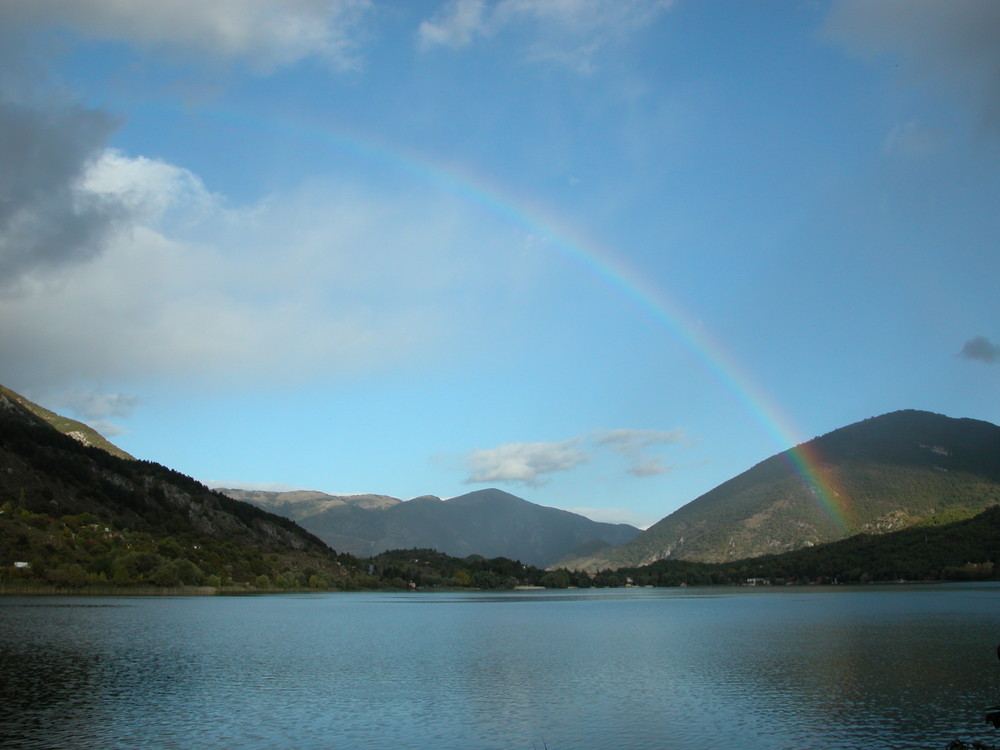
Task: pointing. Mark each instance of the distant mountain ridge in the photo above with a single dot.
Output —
(885, 473)
(489, 522)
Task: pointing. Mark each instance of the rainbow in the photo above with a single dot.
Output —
(614, 271)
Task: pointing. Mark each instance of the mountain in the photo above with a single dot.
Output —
(879, 475)
(72, 514)
(348, 523)
(490, 522)
(933, 550)
(77, 430)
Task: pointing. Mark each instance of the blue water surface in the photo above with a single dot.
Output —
(822, 667)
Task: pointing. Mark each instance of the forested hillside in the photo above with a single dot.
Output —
(76, 430)
(966, 550)
(73, 514)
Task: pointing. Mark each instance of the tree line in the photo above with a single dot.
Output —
(78, 552)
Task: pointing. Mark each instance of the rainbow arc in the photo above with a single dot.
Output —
(613, 270)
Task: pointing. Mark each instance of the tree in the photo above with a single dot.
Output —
(165, 575)
(121, 577)
(68, 574)
(556, 579)
(188, 572)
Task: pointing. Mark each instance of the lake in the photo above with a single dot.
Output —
(810, 667)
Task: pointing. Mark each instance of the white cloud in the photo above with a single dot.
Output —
(107, 429)
(634, 442)
(630, 440)
(600, 21)
(523, 463)
(95, 408)
(454, 26)
(93, 405)
(648, 466)
(147, 188)
(528, 463)
(266, 33)
(566, 32)
(615, 515)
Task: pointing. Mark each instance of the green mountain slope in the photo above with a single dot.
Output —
(881, 475)
(490, 522)
(76, 430)
(958, 551)
(72, 514)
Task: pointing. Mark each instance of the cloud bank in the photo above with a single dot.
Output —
(122, 266)
(326, 280)
(265, 33)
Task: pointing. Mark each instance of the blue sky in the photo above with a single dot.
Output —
(604, 255)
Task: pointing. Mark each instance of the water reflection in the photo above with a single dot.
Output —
(597, 669)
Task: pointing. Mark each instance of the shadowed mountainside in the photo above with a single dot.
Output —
(75, 514)
(490, 522)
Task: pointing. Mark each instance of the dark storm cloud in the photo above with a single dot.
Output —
(951, 42)
(982, 349)
(45, 218)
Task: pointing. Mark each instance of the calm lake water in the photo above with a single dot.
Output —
(837, 667)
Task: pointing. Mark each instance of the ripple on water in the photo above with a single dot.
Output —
(585, 670)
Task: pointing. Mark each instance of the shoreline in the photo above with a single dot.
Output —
(240, 591)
